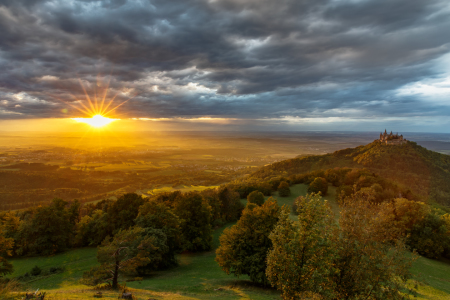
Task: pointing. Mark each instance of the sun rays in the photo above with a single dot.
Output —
(98, 109)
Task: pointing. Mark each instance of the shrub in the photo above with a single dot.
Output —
(36, 271)
(256, 197)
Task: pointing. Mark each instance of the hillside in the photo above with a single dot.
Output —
(426, 173)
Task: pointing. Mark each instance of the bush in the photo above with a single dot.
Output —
(36, 271)
(283, 189)
(318, 185)
(256, 197)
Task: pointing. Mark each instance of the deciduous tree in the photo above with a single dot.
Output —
(256, 197)
(283, 189)
(128, 250)
(243, 247)
(194, 213)
(157, 215)
(319, 184)
(301, 261)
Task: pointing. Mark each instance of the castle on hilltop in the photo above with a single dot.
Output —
(391, 139)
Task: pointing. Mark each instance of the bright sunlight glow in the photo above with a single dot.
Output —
(96, 121)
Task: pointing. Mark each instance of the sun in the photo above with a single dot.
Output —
(96, 121)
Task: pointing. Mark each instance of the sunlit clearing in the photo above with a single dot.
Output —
(96, 121)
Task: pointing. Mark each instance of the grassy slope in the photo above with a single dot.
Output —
(198, 275)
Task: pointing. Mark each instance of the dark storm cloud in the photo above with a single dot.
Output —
(225, 58)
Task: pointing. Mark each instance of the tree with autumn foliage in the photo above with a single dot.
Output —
(127, 251)
(370, 265)
(243, 247)
(301, 262)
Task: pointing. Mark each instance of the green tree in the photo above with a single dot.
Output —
(50, 229)
(430, 236)
(283, 189)
(230, 204)
(157, 215)
(195, 214)
(6, 245)
(123, 212)
(243, 247)
(319, 184)
(301, 261)
(256, 197)
(124, 254)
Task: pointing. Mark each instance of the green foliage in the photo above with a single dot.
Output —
(49, 229)
(430, 236)
(195, 215)
(122, 212)
(319, 185)
(301, 261)
(243, 248)
(35, 271)
(283, 189)
(128, 250)
(159, 216)
(256, 197)
(6, 245)
(245, 187)
(230, 204)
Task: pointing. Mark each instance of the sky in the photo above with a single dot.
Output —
(362, 65)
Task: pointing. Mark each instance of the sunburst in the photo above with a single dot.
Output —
(96, 121)
(98, 111)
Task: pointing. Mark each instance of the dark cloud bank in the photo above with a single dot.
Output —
(335, 61)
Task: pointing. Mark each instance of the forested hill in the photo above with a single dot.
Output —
(426, 173)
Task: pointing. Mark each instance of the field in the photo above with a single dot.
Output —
(198, 275)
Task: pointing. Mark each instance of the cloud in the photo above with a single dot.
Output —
(230, 59)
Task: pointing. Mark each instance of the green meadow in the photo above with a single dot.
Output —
(198, 276)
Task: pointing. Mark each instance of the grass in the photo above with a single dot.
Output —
(197, 277)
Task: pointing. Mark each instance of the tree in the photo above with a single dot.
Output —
(319, 184)
(158, 216)
(194, 213)
(243, 247)
(128, 250)
(230, 204)
(370, 266)
(6, 245)
(301, 261)
(256, 197)
(283, 189)
(50, 229)
(398, 216)
(430, 236)
(122, 213)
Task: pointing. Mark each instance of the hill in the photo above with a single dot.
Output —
(426, 173)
